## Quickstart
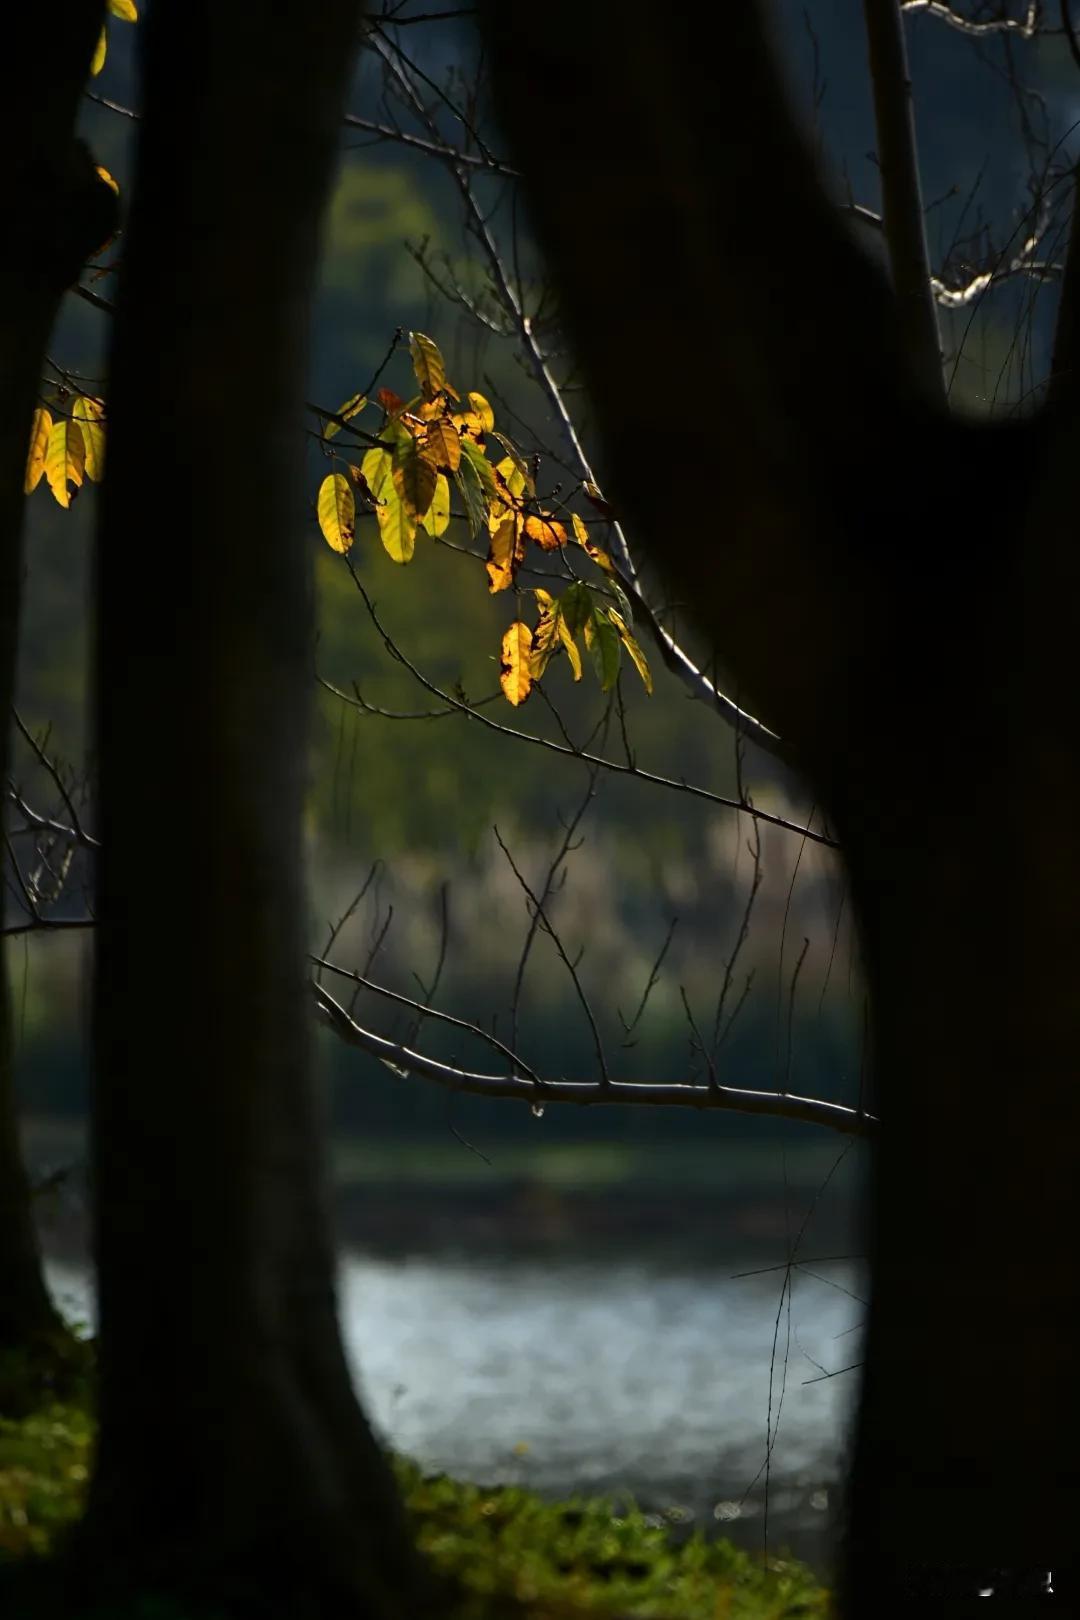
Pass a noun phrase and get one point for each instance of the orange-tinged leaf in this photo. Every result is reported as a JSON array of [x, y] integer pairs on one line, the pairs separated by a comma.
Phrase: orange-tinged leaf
[[429, 366], [126, 10], [97, 61], [514, 676], [90, 415], [598, 555], [442, 443], [337, 512], [436, 519], [65, 458], [505, 551], [637, 657], [390, 402], [40, 428], [480, 408], [397, 526], [546, 634], [103, 174], [414, 477], [545, 532]]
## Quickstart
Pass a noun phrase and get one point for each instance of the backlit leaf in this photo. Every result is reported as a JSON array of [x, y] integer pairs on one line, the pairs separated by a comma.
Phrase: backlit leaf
[[546, 635], [126, 10], [429, 366], [518, 460], [514, 676], [397, 526], [337, 512], [471, 490], [480, 408], [442, 443], [352, 407], [484, 470], [97, 61], [598, 501], [90, 415], [505, 551], [103, 174], [602, 640], [436, 519], [65, 458], [511, 477], [576, 606], [637, 657], [377, 470], [545, 532], [40, 428], [390, 402], [567, 639], [414, 477], [598, 555]]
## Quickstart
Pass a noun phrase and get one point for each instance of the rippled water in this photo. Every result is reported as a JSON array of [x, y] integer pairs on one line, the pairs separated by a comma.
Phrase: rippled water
[[589, 1375]]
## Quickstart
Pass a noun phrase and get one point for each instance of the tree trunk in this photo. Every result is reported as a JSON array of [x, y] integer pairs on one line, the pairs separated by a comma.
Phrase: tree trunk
[[234, 1458], [896, 594], [56, 212]]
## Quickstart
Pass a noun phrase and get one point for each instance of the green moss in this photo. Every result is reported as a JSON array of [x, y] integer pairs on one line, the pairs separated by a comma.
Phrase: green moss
[[500, 1552]]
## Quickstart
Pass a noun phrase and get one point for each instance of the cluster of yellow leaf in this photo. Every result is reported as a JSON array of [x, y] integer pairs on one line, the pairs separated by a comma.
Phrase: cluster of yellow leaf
[[65, 450], [404, 478], [127, 11]]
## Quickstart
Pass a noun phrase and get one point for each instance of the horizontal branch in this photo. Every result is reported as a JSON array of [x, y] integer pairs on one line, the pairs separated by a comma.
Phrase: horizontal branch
[[1025, 28], [403, 1061]]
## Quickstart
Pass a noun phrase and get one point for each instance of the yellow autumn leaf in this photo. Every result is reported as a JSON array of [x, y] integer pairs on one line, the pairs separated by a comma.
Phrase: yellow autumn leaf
[[40, 428], [337, 512], [414, 477], [637, 657], [514, 677], [545, 532], [65, 458], [504, 552], [352, 407], [436, 519], [514, 455], [429, 366], [126, 10], [567, 638], [480, 408], [103, 174], [397, 526], [442, 443], [97, 61], [546, 634], [90, 415], [507, 473], [376, 467]]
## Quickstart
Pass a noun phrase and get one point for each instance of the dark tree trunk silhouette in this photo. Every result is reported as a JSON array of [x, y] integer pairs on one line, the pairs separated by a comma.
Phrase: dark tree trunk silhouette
[[233, 1456], [897, 593], [55, 213]]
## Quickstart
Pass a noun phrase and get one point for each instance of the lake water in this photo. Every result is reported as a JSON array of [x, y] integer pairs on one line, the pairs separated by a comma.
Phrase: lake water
[[597, 1375]]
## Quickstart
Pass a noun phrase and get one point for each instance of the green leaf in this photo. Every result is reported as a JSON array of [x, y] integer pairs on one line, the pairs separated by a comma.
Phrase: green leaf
[[484, 470], [637, 657], [377, 468], [397, 526], [90, 415], [337, 512], [576, 606], [352, 407], [602, 640], [436, 519], [471, 489]]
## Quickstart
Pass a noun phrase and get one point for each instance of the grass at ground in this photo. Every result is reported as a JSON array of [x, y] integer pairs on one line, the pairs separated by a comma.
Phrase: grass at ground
[[502, 1552]]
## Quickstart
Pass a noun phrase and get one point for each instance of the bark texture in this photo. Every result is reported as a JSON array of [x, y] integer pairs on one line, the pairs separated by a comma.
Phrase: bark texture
[[895, 594], [234, 1458]]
